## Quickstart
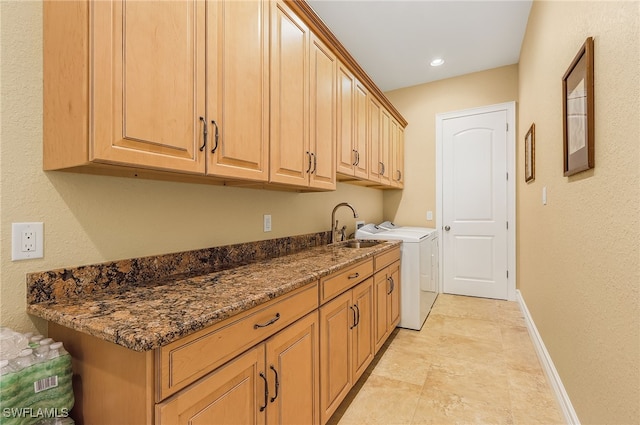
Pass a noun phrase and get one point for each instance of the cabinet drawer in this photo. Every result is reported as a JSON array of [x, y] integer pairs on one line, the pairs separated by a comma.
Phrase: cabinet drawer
[[386, 258], [182, 362], [335, 284]]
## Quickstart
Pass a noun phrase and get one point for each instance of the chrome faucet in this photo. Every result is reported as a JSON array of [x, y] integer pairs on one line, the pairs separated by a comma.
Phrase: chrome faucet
[[334, 228]]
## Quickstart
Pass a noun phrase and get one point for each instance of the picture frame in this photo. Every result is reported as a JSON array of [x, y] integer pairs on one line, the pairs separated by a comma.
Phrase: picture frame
[[578, 112], [530, 154]]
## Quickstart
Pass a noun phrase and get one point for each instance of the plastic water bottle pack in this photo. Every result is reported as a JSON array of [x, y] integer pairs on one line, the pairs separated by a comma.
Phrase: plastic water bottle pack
[[35, 380]]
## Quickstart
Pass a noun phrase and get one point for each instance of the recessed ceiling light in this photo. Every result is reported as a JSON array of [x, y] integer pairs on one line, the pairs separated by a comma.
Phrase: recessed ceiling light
[[437, 62]]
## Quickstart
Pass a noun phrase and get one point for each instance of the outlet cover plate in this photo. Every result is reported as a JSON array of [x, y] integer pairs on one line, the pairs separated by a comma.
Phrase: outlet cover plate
[[25, 247], [266, 221]]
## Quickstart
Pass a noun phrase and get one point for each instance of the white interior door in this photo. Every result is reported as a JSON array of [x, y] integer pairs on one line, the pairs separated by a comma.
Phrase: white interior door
[[475, 204]]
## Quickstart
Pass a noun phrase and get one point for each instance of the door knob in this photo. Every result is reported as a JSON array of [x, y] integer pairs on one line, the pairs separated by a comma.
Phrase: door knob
[[447, 228]]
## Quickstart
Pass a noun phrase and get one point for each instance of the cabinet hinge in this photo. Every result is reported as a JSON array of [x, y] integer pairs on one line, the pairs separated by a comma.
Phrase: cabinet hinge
[[507, 225], [507, 176], [507, 274], [507, 126]]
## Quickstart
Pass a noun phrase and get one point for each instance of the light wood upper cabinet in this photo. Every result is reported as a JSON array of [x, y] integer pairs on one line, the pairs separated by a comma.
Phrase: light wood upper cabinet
[[361, 131], [322, 119], [153, 101], [385, 148], [375, 140], [302, 104], [229, 92], [238, 89], [346, 157], [289, 160], [352, 125], [398, 156], [147, 92]]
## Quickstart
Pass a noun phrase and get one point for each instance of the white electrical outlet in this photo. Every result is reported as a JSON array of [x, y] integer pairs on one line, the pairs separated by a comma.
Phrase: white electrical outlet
[[27, 241], [429, 215], [267, 222]]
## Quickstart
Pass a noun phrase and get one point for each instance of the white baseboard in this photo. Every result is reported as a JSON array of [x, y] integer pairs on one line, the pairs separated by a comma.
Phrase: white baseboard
[[569, 413]]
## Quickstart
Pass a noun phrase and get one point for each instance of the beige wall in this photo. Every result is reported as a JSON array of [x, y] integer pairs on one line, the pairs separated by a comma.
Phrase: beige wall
[[419, 105], [90, 219], [579, 259]]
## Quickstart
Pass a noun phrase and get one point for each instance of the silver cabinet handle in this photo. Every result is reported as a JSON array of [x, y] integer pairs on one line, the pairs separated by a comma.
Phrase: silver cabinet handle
[[447, 228]]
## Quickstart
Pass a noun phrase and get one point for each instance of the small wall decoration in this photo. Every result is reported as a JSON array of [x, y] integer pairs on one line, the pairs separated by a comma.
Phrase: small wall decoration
[[578, 112], [530, 154]]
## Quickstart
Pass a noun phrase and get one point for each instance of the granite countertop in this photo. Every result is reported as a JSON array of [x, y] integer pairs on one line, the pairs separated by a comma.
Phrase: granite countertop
[[146, 315]]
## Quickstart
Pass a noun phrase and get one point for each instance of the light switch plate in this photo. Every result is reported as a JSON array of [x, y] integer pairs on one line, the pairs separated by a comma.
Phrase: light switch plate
[[27, 241]]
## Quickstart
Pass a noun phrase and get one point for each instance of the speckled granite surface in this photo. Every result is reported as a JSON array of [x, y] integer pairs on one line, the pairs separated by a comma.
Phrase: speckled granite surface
[[131, 303]]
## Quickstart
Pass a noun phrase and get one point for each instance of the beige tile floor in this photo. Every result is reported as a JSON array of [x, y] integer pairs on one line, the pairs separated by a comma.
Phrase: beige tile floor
[[472, 363]]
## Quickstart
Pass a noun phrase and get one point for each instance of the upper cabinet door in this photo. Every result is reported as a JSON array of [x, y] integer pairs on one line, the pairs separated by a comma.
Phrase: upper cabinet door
[[375, 164], [148, 84], [238, 89], [393, 154], [322, 119], [361, 101], [386, 169], [346, 158], [290, 160], [399, 158]]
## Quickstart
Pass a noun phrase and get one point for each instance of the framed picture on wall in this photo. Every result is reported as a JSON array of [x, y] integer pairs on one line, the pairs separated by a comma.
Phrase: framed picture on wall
[[578, 112], [530, 154]]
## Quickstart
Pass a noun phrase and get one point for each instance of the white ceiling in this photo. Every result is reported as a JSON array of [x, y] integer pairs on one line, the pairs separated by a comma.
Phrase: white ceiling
[[394, 40]]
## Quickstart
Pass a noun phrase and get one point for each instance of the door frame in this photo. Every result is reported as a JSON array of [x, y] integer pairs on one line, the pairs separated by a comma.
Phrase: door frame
[[510, 108]]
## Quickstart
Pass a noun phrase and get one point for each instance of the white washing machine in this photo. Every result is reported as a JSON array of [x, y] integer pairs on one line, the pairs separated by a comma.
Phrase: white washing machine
[[419, 277], [389, 225]]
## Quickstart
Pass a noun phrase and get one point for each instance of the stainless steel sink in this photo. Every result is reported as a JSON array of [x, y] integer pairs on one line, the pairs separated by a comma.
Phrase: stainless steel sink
[[361, 243]]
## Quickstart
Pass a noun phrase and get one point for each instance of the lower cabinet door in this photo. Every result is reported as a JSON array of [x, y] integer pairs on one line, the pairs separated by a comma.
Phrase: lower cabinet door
[[382, 315], [336, 320], [293, 370], [394, 295], [233, 394], [363, 331]]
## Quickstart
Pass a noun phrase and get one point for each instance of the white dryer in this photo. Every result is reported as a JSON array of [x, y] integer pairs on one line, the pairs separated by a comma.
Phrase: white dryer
[[418, 281]]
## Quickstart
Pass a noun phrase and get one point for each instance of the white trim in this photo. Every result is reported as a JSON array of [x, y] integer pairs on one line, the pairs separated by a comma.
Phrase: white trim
[[562, 397], [510, 108]]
